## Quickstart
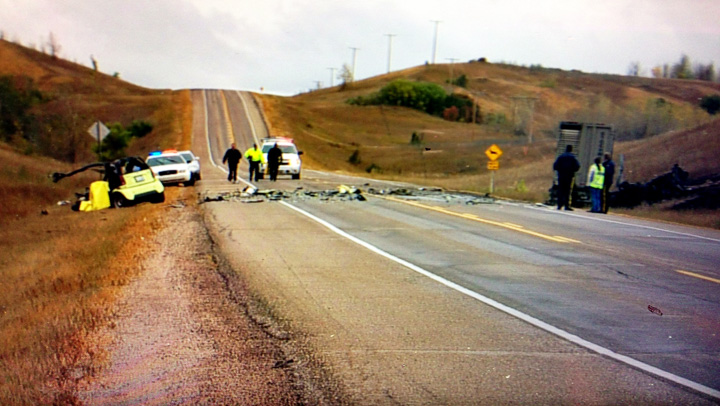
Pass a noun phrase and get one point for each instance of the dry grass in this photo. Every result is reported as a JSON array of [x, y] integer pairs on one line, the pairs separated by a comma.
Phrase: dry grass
[[61, 271], [60, 274]]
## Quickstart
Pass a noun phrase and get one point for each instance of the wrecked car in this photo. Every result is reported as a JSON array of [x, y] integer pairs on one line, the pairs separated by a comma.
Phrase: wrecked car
[[126, 181]]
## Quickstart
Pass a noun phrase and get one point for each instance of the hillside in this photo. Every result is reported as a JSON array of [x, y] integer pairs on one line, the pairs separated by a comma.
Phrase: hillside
[[659, 120], [72, 98]]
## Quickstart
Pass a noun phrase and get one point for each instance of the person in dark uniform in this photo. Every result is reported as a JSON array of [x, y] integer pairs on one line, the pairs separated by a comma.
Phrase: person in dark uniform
[[565, 165], [609, 175], [232, 157], [274, 158]]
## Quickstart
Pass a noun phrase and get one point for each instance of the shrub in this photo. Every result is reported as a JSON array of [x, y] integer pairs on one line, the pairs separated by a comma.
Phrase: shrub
[[140, 128], [711, 104], [355, 157]]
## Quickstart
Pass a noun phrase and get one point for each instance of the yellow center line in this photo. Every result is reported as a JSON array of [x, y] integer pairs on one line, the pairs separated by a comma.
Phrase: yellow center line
[[696, 275], [480, 220], [228, 123]]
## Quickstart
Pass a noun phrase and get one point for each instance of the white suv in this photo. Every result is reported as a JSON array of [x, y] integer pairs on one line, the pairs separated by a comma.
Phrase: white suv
[[291, 163]]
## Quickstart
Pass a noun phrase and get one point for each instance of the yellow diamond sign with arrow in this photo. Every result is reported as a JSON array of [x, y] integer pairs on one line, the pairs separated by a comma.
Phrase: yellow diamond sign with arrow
[[493, 152]]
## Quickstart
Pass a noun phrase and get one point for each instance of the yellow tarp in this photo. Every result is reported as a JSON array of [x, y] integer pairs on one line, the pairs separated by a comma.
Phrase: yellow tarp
[[99, 197]]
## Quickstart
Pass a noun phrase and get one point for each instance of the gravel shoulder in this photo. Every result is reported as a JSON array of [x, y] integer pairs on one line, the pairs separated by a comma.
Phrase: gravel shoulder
[[186, 334]]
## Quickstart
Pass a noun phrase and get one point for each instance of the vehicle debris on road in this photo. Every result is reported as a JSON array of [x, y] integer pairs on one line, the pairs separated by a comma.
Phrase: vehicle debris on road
[[344, 193]]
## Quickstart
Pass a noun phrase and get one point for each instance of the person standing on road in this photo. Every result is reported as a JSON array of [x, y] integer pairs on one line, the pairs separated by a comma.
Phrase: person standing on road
[[609, 166], [274, 159], [232, 157], [254, 157], [565, 165], [596, 181]]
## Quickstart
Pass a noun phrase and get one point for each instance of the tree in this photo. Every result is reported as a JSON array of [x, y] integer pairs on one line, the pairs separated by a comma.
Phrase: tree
[[634, 69], [705, 72], [53, 45], [682, 69], [18, 95], [345, 74]]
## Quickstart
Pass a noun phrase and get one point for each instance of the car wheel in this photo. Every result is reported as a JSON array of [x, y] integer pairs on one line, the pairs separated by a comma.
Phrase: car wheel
[[296, 176], [158, 198], [191, 182], [119, 201]]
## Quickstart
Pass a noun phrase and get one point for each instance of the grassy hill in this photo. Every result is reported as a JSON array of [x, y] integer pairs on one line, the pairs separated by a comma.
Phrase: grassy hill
[[658, 122], [72, 98]]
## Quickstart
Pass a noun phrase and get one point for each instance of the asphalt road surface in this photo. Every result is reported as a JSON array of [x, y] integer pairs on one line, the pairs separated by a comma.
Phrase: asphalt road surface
[[429, 299]]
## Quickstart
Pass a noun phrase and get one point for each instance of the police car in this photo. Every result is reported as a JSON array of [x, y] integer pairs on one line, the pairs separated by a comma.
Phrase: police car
[[170, 167], [291, 163], [193, 162]]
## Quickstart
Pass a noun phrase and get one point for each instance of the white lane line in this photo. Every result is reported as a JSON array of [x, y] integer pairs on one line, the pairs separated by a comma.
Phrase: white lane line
[[516, 313]]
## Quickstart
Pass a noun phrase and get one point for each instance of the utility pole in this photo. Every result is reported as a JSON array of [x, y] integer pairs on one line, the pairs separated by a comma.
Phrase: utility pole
[[435, 41], [332, 76], [452, 62], [390, 38], [354, 61]]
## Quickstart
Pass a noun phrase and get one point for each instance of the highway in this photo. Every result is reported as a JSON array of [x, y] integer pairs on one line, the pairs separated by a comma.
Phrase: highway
[[426, 299]]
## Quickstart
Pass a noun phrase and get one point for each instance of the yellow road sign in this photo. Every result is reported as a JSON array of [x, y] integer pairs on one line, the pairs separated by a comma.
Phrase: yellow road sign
[[493, 165], [493, 152]]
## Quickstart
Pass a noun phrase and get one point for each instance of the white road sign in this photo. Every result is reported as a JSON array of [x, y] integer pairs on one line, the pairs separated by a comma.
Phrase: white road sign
[[98, 130]]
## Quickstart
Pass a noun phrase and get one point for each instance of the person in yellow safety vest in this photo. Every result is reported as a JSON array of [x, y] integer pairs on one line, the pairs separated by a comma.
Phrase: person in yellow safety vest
[[596, 181], [254, 157]]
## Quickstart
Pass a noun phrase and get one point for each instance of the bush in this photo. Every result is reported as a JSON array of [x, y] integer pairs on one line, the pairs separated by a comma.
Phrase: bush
[[140, 128], [355, 157], [711, 104], [426, 97]]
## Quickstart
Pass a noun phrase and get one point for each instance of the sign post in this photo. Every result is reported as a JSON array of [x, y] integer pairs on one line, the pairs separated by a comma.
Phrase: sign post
[[99, 131], [493, 153]]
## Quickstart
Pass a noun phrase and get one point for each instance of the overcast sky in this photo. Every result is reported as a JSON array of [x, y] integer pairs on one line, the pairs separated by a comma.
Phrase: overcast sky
[[287, 46]]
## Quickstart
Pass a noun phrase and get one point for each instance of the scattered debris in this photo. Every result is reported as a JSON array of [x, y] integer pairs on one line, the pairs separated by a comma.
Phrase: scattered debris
[[64, 203], [675, 184], [655, 310], [345, 193]]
